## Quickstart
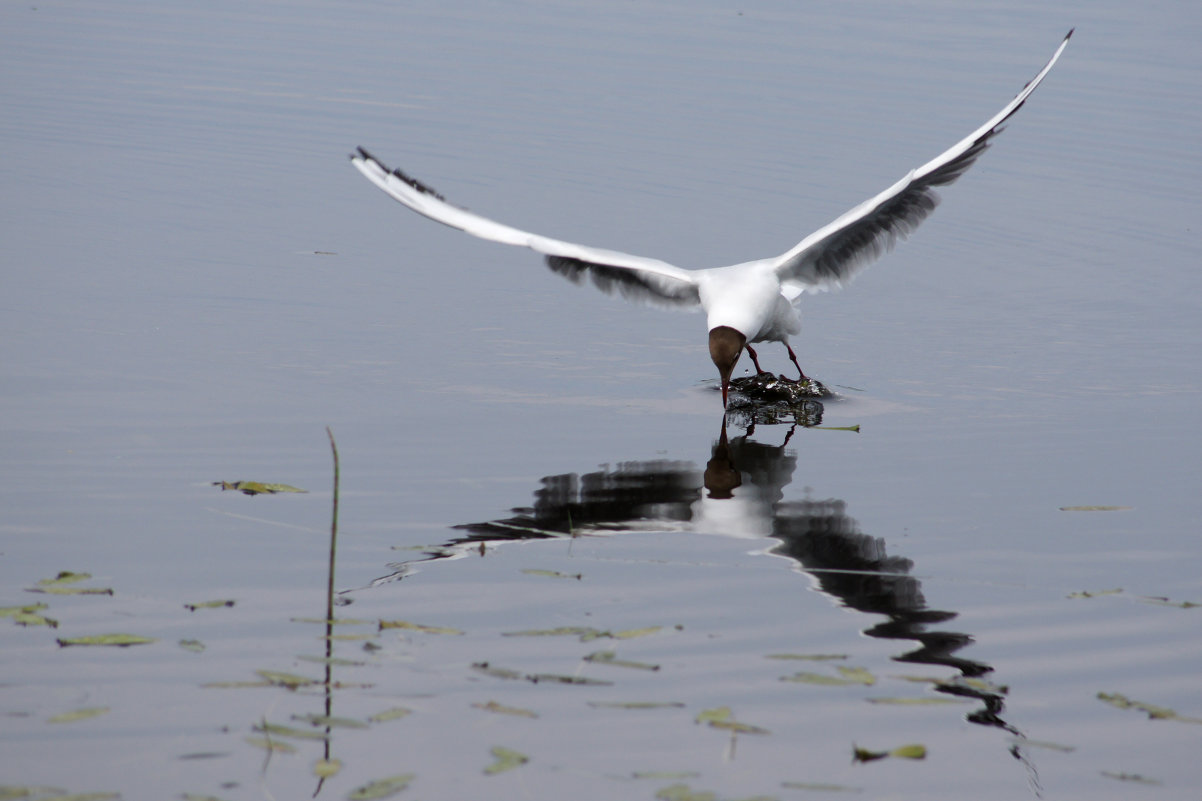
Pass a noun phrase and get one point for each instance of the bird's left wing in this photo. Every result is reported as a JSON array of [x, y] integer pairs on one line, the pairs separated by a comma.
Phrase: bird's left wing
[[636, 277], [833, 253]]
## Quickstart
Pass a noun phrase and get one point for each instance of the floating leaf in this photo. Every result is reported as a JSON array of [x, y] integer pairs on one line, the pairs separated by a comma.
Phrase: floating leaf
[[977, 685], [234, 685], [630, 634], [611, 658], [530, 571], [847, 675], [558, 678], [636, 705], [1129, 777], [332, 722], [808, 657], [820, 787], [506, 759], [1153, 712], [916, 701], [65, 577], [208, 605], [194, 797], [288, 731], [34, 619], [392, 713], [404, 624], [256, 487], [274, 746], [720, 718], [682, 792], [12, 791], [120, 640], [331, 660], [1094, 508], [382, 788], [327, 768], [195, 646], [912, 751], [1094, 593], [83, 797], [1161, 601], [78, 714], [62, 589], [289, 680], [579, 631], [501, 709], [663, 775], [344, 621], [496, 672]]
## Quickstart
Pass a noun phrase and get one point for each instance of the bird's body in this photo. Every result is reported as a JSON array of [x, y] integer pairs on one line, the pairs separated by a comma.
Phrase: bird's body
[[744, 303]]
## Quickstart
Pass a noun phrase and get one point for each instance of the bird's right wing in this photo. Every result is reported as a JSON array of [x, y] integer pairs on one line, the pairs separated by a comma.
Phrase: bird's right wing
[[636, 277], [834, 253]]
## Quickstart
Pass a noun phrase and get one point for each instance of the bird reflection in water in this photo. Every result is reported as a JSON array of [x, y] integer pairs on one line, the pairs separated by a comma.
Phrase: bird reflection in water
[[741, 493]]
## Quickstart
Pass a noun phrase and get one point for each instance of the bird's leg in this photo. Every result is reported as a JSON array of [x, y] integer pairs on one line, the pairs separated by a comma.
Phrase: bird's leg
[[755, 360], [793, 358]]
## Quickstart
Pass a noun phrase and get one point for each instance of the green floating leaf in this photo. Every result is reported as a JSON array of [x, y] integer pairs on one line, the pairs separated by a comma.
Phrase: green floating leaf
[[611, 658], [60, 589], [911, 751], [501, 709], [720, 718], [327, 768], [682, 792], [847, 675], [1153, 712], [331, 660], [119, 640], [496, 672], [636, 705], [256, 487], [664, 775], [345, 621], [195, 646], [820, 787], [274, 746], [530, 571], [78, 714], [278, 730], [578, 631], [808, 657], [289, 680], [65, 577], [83, 797], [1095, 593], [234, 685], [506, 759], [558, 678], [209, 605], [1135, 778], [13, 791], [972, 683], [28, 615], [1094, 508], [332, 722], [630, 634], [382, 788], [195, 797], [1162, 601], [23, 609], [404, 624], [392, 713]]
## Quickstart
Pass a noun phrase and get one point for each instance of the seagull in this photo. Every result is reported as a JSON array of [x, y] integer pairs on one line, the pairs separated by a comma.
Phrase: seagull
[[744, 303]]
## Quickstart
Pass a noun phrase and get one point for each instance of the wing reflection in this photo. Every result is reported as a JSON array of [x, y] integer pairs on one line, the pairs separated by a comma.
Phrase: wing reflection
[[741, 493]]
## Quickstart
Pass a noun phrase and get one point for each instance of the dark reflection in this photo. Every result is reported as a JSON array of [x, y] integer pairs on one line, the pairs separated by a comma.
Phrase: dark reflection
[[741, 493]]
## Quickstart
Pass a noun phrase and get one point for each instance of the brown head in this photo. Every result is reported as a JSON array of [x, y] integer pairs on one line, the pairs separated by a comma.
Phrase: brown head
[[726, 344]]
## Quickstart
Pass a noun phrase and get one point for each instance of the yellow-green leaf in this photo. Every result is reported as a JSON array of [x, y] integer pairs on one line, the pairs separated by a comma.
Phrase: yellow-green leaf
[[289, 680], [65, 577], [209, 605], [256, 487], [392, 713], [720, 718], [327, 768], [505, 759], [404, 624], [60, 589], [78, 714], [382, 788], [195, 646], [332, 722], [611, 658], [682, 792], [274, 746], [847, 675], [120, 640], [501, 709], [1094, 508], [911, 751], [637, 705], [530, 571]]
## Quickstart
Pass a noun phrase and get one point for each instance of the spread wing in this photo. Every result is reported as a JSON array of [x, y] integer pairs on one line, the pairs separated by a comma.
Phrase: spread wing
[[636, 277], [831, 255]]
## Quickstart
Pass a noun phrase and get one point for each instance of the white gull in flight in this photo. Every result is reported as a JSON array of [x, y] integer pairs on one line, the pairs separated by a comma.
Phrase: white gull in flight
[[748, 302]]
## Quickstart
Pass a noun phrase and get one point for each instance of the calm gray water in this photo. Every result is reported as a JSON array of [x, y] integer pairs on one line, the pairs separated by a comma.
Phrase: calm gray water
[[195, 282]]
